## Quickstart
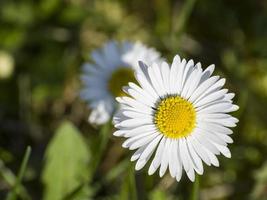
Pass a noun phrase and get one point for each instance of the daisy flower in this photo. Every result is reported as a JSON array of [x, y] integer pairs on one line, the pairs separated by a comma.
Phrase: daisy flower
[[178, 115], [112, 67]]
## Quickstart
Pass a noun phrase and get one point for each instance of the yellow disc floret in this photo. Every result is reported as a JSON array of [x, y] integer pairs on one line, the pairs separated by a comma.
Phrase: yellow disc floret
[[119, 78], [175, 117]]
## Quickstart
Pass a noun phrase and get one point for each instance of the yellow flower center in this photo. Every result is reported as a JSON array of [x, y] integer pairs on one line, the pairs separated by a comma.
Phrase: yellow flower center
[[175, 117], [119, 78]]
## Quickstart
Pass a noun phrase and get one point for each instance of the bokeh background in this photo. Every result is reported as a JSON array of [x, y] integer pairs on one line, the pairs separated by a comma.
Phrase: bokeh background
[[42, 46]]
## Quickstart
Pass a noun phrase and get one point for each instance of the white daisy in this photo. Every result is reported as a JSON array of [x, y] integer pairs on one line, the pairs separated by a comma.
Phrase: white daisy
[[180, 113], [113, 67]]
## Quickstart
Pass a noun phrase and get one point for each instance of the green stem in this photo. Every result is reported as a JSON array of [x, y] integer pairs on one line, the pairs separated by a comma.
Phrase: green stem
[[132, 180], [104, 135], [184, 16], [128, 187], [12, 195], [195, 189]]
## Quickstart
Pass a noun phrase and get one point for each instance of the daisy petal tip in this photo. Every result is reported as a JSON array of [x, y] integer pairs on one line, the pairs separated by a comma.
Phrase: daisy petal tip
[[161, 175], [117, 126], [192, 179], [124, 145], [228, 155], [191, 176], [200, 172], [177, 57], [118, 99], [139, 165], [150, 172], [116, 134], [212, 65], [132, 147]]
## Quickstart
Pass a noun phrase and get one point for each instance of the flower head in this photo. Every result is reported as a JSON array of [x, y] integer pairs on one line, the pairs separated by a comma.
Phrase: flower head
[[178, 115], [113, 67]]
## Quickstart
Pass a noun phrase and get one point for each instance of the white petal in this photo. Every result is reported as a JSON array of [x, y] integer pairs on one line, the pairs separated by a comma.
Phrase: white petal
[[124, 107], [157, 158], [175, 67], [142, 92], [111, 53], [184, 154], [179, 79], [224, 150], [139, 130], [229, 96], [212, 137], [189, 82], [207, 73], [215, 108], [147, 153], [155, 82], [198, 166], [151, 147], [211, 89], [165, 72], [89, 69], [119, 133], [210, 98], [143, 141], [99, 59], [187, 71], [129, 123], [144, 80], [158, 75], [202, 87], [130, 141], [133, 114], [216, 116], [213, 159], [225, 138], [144, 99], [140, 164], [199, 149], [185, 157], [173, 158], [134, 104], [194, 85], [100, 115], [138, 153], [228, 122], [232, 109], [214, 128], [179, 165], [191, 174], [164, 158], [201, 138]]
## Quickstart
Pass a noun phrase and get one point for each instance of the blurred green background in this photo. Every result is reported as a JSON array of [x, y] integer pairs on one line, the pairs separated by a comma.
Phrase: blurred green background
[[42, 46]]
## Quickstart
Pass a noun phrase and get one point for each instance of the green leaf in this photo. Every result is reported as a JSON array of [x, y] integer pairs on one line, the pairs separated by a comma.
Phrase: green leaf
[[128, 187], [158, 194], [66, 164], [48, 7]]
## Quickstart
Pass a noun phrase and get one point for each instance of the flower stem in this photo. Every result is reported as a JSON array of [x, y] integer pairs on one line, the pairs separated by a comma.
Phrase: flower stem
[[195, 189], [12, 195], [104, 135], [184, 16]]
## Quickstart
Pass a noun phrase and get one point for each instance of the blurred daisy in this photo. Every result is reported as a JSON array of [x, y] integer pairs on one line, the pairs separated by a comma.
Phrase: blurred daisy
[[113, 67], [180, 113]]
